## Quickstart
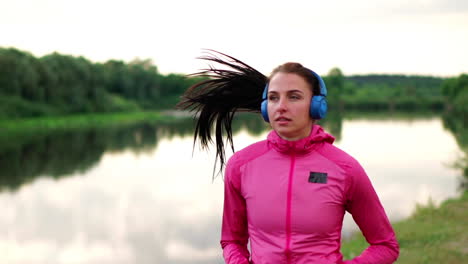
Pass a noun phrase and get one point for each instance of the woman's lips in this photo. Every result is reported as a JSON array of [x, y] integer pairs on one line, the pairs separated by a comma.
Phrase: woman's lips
[[282, 120]]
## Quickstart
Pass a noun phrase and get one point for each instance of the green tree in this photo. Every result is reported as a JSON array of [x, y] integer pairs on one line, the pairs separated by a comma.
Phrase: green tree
[[335, 85], [145, 80], [455, 91], [18, 74]]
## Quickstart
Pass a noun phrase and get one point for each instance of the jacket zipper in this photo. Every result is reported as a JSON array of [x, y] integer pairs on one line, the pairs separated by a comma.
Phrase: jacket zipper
[[288, 210]]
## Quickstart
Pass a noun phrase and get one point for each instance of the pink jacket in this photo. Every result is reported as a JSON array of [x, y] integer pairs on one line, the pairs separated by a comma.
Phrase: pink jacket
[[289, 198]]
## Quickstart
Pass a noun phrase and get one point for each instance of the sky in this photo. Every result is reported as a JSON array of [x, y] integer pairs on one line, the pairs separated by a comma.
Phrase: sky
[[426, 37]]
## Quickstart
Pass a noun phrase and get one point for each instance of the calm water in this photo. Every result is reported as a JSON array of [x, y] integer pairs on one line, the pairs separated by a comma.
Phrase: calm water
[[137, 195]]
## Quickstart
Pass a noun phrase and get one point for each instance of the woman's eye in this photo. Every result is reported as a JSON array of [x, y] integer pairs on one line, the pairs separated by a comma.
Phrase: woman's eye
[[295, 97], [272, 98]]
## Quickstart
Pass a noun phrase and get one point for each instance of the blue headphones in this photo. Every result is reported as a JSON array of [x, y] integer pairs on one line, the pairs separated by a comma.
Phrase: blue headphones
[[318, 104]]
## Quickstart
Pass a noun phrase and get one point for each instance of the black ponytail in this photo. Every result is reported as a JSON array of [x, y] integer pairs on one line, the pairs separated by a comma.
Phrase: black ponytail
[[237, 87]]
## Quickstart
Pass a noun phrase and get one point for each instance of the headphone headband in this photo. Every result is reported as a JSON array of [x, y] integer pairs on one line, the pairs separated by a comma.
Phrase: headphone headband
[[322, 86]]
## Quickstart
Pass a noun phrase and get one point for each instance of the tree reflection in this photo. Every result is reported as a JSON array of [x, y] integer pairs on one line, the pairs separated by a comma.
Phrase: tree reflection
[[457, 122], [61, 153]]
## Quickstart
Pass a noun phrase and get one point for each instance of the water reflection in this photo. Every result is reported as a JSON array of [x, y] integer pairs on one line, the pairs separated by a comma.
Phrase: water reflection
[[457, 124], [129, 209], [406, 161], [137, 194]]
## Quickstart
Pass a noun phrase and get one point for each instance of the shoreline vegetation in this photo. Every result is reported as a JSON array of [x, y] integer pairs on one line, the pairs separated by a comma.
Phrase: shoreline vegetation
[[433, 234], [12, 131], [20, 130], [79, 121]]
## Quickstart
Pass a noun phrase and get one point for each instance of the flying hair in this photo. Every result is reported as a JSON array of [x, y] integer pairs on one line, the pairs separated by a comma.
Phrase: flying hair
[[232, 87]]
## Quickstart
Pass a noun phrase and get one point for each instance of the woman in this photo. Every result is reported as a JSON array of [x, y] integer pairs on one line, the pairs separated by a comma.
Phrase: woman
[[288, 194]]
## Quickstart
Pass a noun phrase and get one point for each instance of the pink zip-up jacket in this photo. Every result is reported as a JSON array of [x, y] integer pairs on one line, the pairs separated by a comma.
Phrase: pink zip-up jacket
[[289, 199]]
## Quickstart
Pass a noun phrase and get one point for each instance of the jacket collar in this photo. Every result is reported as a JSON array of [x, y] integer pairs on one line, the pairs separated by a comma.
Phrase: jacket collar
[[300, 146]]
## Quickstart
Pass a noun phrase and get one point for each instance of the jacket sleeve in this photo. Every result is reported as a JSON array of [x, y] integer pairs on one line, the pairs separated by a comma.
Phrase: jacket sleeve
[[368, 213], [234, 234]]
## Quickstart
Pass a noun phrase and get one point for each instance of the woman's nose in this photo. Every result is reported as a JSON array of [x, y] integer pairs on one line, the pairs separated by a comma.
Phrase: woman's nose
[[282, 105]]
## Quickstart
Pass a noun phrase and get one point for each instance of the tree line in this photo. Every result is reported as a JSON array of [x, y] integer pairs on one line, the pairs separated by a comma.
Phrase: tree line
[[58, 84], [384, 92]]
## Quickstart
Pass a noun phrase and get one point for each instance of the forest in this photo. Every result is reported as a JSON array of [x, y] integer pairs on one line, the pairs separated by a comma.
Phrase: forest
[[58, 84]]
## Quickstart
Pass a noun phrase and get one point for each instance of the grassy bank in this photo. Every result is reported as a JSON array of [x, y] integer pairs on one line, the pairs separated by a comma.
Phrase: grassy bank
[[431, 235], [22, 130], [77, 121]]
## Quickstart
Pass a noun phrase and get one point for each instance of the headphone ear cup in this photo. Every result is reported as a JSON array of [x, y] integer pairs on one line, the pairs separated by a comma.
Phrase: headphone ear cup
[[264, 109], [318, 107], [264, 105], [318, 104]]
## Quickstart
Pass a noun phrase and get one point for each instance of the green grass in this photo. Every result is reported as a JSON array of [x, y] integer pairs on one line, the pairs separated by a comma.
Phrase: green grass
[[431, 235], [13, 131], [77, 121]]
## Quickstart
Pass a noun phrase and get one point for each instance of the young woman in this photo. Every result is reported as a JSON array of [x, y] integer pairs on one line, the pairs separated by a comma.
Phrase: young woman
[[286, 195]]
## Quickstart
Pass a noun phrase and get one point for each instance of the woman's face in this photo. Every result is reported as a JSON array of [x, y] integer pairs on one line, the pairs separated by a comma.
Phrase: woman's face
[[289, 97]]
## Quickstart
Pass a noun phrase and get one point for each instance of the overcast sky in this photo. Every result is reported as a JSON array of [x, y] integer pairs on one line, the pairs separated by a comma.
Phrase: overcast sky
[[427, 37]]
